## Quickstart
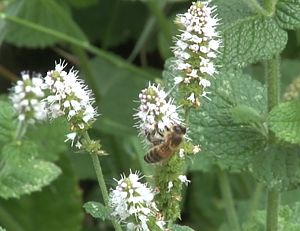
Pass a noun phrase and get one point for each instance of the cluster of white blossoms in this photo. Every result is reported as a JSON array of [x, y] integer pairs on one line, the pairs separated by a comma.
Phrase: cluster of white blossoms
[[59, 93], [132, 203], [68, 95], [195, 50], [27, 96], [156, 113]]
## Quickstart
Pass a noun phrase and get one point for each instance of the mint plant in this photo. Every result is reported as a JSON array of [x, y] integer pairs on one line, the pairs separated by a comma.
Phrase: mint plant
[[212, 139]]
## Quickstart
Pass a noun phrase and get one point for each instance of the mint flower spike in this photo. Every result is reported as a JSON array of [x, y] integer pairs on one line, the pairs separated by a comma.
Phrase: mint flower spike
[[195, 50], [156, 113], [70, 97], [132, 203], [27, 96]]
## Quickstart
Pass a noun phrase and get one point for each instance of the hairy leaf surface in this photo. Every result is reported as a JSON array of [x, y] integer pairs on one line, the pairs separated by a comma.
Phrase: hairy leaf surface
[[97, 210], [20, 171], [288, 14], [284, 121], [278, 167], [225, 140]]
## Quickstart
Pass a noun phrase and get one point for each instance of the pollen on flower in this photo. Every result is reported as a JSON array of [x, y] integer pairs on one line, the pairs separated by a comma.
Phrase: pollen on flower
[[195, 49], [132, 203], [156, 113], [27, 98], [69, 96]]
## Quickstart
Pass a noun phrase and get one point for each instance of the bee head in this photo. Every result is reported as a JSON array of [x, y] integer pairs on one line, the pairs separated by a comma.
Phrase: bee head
[[179, 129]]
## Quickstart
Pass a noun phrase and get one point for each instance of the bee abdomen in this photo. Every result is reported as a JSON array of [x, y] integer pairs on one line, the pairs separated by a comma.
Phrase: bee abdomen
[[152, 157]]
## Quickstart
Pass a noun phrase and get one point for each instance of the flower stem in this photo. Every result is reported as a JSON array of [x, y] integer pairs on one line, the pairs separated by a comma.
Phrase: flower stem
[[101, 182], [117, 61], [273, 89], [229, 203], [21, 129]]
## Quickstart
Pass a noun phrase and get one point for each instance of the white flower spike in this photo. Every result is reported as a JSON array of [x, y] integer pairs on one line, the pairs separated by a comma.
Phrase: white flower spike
[[156, 113], [196, 48], [132, 202], [27, 98]]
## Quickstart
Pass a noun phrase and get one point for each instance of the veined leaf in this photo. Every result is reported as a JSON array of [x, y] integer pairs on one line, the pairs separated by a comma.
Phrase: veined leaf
[[20, 171], [284, 121], [97, 210], [57, 207], [250, 40], [288, 14], [278, 167], [224, 141], [47, 13], [8, 123]]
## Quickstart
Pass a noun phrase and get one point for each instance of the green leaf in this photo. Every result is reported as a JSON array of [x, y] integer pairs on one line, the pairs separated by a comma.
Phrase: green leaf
[[225, 141], [288, 219], [245, 115], [49, 138], [20, 171], [284, 121], [8, 123], [57, 207], [278, 167], [119, 87], [2, 229], [116, 21], [97, 210], [288, 14], [250, 40], [47, 13], [181, 228]]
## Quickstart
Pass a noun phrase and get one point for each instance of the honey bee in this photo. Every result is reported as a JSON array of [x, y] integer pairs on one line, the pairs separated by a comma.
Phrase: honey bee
[[164, 148]]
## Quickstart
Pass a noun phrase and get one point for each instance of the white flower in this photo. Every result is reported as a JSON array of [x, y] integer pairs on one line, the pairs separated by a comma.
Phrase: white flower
[[196, 149], [27, 98], [170, 186], [181, 153], [132, 202], [69, 96], [196, 47], [156, 113], [184, 179]]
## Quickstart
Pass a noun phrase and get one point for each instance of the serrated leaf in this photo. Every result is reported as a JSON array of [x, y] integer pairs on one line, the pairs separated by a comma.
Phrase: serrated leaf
[[47, 13], [8, 123], [57, 207], [250, 40], [97, 210], [288, 14], [284, 121], [228, 143], [20, 171], [49, 138], [224, 142], [278, 167], [181, 228]]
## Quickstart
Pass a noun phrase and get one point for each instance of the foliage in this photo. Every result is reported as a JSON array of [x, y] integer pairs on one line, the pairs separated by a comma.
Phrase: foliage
[[238, 133]]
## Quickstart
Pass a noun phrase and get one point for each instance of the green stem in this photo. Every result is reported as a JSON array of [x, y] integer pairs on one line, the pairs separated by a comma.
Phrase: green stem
[[273, 88], [270, 6], [21, 129], [272, 210], [114, 59], [255, 200], [8, 221], [229, 202], [101, 182], [257, 7], [163, 23]]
